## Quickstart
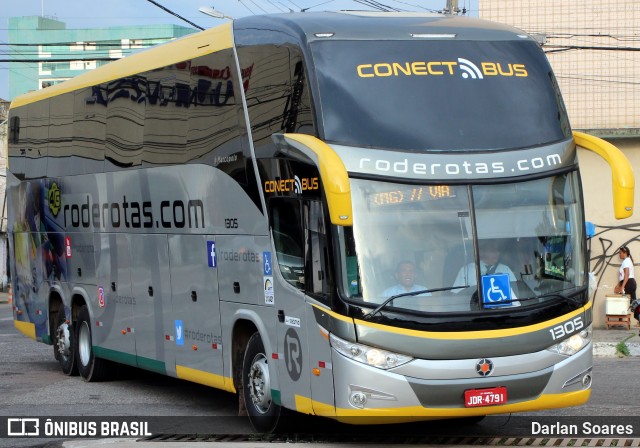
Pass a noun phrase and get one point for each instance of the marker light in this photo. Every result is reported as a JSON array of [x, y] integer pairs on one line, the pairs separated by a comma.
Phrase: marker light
[[371, 356], [574, 344], [432, 36]]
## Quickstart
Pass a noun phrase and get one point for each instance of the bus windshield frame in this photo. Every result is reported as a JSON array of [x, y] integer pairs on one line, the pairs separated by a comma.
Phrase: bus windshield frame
[[413, 238]]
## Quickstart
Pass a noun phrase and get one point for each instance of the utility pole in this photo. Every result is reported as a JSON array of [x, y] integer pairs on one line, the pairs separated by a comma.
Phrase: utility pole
[[452, 7]]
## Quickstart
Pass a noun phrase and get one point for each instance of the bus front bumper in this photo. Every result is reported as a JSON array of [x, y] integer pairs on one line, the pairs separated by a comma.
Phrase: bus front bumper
[[367, 395]]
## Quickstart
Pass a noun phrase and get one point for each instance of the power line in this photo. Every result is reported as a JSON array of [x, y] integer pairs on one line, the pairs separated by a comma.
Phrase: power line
[[61, 60], [176, 15], [587, 47], [93, 43]]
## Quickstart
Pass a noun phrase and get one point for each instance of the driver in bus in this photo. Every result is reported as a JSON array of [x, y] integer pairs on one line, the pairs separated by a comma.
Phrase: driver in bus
[[489, 264], [405, 276]]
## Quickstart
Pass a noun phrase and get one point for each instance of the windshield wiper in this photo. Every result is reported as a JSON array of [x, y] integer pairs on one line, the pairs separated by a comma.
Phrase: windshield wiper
[[406, 294], [573, 300]]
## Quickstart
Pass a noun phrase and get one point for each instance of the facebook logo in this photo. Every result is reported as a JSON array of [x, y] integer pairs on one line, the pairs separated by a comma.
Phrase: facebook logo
[[211, 254], [179, 333], [496, 290]]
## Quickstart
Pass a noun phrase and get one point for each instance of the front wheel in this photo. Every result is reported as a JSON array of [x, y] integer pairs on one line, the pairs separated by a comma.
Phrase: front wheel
[[90, 367], [63, 340], [264, 414]]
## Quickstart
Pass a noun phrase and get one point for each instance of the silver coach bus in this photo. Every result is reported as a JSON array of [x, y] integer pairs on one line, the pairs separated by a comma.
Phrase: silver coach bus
[[299, 209]]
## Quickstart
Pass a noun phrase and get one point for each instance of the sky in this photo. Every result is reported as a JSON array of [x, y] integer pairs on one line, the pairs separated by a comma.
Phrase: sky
[[78, 14]]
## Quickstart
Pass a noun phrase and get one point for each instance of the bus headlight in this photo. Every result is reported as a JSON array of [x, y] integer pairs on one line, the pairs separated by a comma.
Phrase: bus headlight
[[371, 356], [574, 344]]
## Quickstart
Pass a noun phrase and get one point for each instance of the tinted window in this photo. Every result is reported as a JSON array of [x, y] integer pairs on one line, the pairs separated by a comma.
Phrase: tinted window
[[422, 95], [288, 238], [276, 90]]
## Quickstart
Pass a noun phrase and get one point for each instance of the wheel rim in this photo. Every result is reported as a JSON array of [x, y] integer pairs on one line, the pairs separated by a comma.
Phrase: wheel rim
[[63, 341], [259, 384], [84, 343]]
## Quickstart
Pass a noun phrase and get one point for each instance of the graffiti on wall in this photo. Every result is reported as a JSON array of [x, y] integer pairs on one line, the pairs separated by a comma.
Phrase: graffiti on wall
[[607, 252]]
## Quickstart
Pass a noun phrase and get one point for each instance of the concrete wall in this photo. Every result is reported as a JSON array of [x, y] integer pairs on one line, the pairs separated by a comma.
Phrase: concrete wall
[[602, 94]]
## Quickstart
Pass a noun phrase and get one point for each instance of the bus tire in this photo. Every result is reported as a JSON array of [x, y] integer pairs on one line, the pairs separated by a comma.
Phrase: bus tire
[[63, 341], [91, 368], [264, 414]]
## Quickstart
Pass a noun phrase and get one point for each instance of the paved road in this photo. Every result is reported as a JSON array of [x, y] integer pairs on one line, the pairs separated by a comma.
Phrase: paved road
[[31, 384]]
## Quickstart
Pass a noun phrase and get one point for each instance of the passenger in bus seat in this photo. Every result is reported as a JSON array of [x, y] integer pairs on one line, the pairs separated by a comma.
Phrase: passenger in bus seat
[[405, 275]]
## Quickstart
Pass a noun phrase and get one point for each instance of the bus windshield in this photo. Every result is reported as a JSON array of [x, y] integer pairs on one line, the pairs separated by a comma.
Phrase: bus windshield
[[438, 95], [414, 239]]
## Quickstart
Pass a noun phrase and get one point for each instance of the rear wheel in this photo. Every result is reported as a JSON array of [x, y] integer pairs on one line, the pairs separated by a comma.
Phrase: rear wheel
[[264, 414], [63, 340], [90, 367]]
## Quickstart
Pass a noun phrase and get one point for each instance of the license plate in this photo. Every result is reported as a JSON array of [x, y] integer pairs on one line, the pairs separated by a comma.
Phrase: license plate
[[485, 397]]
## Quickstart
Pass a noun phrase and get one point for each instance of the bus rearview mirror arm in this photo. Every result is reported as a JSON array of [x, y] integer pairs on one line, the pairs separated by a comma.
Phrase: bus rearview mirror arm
[[333, 173], [622, 178]]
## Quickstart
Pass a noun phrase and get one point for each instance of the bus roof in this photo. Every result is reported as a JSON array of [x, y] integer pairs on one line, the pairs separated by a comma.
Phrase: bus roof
[[186, 47], [303, 27], [363, 25]]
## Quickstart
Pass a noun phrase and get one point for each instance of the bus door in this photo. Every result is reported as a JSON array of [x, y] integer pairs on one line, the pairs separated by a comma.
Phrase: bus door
[[300, 258], [151, 286], [114, 331], [195, 321]]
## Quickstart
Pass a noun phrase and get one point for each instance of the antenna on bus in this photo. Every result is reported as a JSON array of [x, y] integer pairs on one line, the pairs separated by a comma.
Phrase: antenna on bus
[[315, 6], [212, 12]]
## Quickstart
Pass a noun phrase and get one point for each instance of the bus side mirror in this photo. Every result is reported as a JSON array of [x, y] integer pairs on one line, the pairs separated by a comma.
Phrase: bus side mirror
[[623, 182]]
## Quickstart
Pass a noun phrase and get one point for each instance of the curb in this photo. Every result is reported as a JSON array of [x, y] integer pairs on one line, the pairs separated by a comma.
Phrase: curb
[[608, 349]]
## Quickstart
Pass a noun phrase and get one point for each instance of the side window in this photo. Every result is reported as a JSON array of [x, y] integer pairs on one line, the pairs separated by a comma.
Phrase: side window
[[125, 122], [318, 258], [300, 239], [288, 237]]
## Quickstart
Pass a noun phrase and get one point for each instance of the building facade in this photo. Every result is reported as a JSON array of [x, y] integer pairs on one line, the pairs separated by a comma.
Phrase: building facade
[[59, 53], [594, 49]]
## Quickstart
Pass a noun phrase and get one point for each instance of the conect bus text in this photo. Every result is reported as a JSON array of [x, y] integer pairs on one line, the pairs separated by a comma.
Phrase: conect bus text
[[173, 214]]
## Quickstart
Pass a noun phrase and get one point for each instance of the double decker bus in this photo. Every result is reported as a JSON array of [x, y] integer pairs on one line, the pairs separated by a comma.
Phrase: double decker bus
[[298, 208]]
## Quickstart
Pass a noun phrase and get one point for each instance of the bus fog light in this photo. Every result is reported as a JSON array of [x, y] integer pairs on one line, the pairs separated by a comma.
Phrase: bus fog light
[[583, 378], [358, 400]]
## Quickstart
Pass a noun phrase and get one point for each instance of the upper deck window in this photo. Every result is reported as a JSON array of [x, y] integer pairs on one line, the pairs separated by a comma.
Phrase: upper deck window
[[442, 95]]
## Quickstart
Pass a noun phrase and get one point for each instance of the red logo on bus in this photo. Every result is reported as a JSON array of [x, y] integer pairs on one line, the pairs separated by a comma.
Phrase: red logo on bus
[[67, 244], [101, 297]]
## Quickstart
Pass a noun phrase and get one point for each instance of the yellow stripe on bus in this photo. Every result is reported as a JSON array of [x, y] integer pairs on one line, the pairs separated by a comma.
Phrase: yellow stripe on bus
[[205, 378], [182, 49], [333, 314], [26, 328], [474, 335], [416, 413], [306, 405]]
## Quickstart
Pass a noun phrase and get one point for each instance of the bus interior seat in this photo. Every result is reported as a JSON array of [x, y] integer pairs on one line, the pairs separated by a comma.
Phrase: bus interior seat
[[453, 262]]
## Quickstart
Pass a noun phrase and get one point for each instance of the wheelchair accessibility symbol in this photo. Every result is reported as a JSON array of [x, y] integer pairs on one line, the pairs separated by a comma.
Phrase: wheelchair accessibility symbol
[[496, 290], [266, 257]]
